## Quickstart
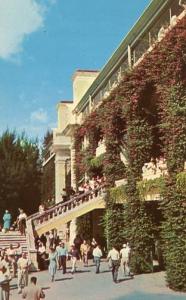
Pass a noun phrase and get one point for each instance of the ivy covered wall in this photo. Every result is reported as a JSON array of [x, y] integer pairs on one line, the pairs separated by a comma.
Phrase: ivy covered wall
[[146, 114]]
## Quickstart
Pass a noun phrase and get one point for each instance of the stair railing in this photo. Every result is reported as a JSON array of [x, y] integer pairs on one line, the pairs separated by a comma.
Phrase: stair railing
[[63, 207], [54, 211]]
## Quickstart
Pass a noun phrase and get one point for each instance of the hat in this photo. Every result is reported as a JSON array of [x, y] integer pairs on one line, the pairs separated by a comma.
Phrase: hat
[[124, 245]]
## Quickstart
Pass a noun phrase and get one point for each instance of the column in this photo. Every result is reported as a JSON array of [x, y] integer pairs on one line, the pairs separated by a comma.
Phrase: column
[[60, 175], [73, 173], [73, 228], [129, 57]]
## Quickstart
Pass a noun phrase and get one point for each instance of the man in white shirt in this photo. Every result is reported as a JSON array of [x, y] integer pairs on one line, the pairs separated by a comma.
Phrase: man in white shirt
[[11, 257], [97, 253], [115, 260], [125, 257], [4, 283], [22, 266]]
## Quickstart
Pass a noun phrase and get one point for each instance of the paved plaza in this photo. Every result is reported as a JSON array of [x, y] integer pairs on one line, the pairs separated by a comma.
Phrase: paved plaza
[[86, 285]]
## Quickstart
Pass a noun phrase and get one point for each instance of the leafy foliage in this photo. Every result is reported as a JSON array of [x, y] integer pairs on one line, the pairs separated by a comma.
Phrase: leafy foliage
[[84, 226], [145, 114], [20, 173], [48, 172]]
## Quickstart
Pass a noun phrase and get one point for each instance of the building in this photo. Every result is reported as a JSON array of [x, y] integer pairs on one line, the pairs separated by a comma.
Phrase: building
[[90, 88]]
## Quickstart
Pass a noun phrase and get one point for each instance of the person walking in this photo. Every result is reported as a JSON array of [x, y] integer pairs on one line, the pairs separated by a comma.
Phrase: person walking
[[4, 283], [115, 262], [125, 257], [62, 256], [22, 269], [7, 221], [52, 263], [97, 254], [84, 249], [33, 291], [77, 243], [74, 256]]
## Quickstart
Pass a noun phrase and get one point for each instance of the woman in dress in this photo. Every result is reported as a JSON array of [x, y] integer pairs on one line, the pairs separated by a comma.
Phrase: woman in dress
[[7, 220], [42, 256], [53, 257]]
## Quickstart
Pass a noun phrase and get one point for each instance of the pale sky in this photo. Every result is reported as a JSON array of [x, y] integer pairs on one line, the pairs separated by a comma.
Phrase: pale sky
[[43, 42]]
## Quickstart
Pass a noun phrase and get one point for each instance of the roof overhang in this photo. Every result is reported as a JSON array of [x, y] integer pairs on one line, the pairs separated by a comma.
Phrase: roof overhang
[[143, 23]]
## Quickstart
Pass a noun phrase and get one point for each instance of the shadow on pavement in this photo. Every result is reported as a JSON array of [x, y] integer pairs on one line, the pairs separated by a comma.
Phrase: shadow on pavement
[[105, 271], [63, 279], [82, 271], [46, 288], [125, 279]]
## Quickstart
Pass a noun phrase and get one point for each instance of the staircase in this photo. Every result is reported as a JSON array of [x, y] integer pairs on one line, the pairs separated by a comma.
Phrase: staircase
[[13, 237], [62, 213]]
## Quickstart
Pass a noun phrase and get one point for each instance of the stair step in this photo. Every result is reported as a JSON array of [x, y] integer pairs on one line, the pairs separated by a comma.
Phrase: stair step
[[13, 237]]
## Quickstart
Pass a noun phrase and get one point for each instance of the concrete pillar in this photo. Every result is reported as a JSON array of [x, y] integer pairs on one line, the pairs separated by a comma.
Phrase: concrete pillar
[[60, 175], [73, 228], [129, 57]]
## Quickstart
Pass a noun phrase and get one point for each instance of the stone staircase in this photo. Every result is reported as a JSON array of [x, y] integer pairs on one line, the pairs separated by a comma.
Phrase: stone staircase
[[60, 214], [64, 212], [13, 237]]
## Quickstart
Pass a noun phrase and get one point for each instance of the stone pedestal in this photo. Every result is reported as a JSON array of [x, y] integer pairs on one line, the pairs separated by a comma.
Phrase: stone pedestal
[[33, 259], [32, 252]]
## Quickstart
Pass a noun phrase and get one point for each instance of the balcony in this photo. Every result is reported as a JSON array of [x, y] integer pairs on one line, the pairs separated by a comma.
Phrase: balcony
[[159, 18], [60, 141]]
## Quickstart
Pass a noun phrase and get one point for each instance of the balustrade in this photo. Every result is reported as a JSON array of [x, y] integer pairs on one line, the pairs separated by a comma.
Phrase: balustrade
[[155, 168], [64, 207]]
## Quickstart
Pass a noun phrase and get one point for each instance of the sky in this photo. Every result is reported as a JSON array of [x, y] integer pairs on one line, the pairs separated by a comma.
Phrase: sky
[[43, 42]]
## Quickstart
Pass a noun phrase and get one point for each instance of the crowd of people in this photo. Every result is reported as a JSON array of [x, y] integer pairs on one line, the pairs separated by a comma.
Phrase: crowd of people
[[87, 186], [13, 263], [53, 255], [58, 254]]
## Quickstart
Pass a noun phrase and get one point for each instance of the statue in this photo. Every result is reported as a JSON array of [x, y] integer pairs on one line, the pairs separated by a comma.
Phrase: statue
[[119, 77], [161, 33], [173, 21], [161, 166], [106, 94], [114, 85], [149, 170]]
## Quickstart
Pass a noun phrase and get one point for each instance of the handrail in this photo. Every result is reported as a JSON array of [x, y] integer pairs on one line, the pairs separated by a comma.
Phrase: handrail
[[62, 207]]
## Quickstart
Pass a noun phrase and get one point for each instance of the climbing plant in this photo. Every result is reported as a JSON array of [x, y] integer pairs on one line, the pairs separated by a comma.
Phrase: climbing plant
[[146, 114]]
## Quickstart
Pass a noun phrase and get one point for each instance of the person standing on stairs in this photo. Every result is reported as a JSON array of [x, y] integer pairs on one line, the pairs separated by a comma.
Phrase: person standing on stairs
[[21, 219], [7, 221]]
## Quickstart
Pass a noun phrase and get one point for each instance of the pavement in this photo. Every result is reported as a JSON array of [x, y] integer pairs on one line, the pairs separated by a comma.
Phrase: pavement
[[86, 285]]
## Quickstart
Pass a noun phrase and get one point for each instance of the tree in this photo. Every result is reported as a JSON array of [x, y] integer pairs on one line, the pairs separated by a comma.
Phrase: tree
[[20, 173], [48, 172]]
